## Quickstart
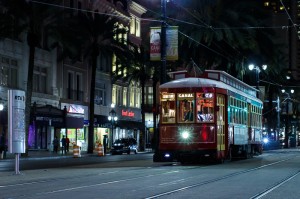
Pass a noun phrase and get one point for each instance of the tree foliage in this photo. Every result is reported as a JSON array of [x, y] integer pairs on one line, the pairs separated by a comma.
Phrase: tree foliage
[[92, 34], [28, 22]]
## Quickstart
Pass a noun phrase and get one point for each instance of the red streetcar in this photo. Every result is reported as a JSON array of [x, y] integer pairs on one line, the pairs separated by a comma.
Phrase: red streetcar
[[214, 116]]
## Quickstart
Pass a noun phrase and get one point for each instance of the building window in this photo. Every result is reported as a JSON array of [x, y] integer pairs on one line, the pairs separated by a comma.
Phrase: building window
[[124, 96], [132, 25], [114, 95], [138, 98], [74, 90], [119, 96], [100, 94], [149, 95], [40, 79], [135, 25], [132, 94], [9, 72], [137, 28], [104, 63]]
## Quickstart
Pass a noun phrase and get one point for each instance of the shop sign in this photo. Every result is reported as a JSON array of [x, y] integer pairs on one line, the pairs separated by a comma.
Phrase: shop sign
[[16, 121], [40, 118], [75, 109], [127, 113]]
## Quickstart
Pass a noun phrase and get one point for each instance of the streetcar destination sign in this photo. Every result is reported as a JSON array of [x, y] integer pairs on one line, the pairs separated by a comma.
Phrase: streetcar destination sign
[[186, 95]]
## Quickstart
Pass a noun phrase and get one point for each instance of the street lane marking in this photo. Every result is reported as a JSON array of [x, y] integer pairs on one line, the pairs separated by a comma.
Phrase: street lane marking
[[260, 195]]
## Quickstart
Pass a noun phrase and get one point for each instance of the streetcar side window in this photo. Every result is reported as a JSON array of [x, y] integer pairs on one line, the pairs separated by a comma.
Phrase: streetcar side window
[[168, 111], [205, 107]]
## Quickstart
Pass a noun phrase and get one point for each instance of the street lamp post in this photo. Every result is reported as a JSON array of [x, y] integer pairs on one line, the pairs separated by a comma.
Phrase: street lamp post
[[112, 117], [258, 70]]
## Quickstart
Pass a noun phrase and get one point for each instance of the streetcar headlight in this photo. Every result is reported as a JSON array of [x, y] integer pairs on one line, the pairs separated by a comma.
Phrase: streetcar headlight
[[167, 155], [185, 135], [265, 140]]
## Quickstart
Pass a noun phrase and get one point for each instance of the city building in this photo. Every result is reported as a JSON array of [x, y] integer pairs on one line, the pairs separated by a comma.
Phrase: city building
[[286, 17], [286, 14], [60, 98]]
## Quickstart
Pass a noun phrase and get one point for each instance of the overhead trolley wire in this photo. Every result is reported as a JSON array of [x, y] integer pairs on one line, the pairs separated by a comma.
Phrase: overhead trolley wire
[[294, 25]]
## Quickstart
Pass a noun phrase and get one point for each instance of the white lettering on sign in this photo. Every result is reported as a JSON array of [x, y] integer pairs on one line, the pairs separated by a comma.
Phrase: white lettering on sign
[[168, 96], [186, 95]]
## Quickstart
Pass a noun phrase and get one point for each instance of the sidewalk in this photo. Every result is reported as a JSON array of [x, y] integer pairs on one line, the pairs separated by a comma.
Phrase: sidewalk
[[45, 154]]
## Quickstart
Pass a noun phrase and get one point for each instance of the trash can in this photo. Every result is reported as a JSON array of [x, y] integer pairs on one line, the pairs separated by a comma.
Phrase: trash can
[[76, 151]]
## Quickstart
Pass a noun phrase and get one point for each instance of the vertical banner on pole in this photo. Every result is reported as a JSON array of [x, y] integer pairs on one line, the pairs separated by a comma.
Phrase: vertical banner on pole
[[171, 43], [155, 43], [16, 124]]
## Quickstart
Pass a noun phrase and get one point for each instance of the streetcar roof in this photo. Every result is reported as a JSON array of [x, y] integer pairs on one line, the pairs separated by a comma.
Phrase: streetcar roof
[[190, 82], [203, 82]]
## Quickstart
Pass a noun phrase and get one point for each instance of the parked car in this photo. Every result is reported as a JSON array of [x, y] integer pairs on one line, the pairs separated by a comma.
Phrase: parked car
[[124, 145]]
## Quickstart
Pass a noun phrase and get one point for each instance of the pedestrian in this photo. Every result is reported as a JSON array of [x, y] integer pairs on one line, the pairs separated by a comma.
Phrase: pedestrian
[[63, 144], [67, 144], [2, 146], [55, 144]]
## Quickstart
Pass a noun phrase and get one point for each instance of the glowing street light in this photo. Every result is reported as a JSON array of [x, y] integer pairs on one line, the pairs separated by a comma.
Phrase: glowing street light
[[258, 70]]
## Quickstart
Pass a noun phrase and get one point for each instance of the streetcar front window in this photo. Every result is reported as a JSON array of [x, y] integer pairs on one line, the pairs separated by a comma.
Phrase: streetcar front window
[[185, 107]]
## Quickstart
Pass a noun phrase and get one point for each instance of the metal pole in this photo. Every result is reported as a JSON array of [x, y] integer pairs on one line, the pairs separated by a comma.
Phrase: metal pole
[[163, 42], [278, 118], [257, 82], [112, 133], [17, 163], [286, 138]]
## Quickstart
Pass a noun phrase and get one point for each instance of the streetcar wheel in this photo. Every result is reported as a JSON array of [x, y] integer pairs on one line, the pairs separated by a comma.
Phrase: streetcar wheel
[[220, 160], [157, 158]]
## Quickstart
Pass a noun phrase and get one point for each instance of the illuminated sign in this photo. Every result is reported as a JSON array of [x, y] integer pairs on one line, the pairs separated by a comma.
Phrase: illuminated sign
[[205, 95], [186, 95], [168, 96], [127, 113], [208, 95], [75, 109]]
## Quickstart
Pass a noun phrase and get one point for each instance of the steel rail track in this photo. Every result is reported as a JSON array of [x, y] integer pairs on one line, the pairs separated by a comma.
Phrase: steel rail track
[[277, 185], [156, 174], [226, 177]]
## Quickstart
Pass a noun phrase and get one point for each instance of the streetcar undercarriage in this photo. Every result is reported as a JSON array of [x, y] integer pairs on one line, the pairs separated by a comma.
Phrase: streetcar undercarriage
[[234, 152]]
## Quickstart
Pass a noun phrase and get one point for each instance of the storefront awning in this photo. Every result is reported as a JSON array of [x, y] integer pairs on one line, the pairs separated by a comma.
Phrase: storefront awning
[[124, 124], [74, 122]]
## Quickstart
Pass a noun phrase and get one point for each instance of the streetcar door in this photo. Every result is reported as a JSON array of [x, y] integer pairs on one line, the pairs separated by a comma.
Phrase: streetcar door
[[220, 122]]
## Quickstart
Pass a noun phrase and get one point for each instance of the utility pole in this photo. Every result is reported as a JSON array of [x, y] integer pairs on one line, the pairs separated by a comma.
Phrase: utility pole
[[163, 42], [163, 65], [278, 118]]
